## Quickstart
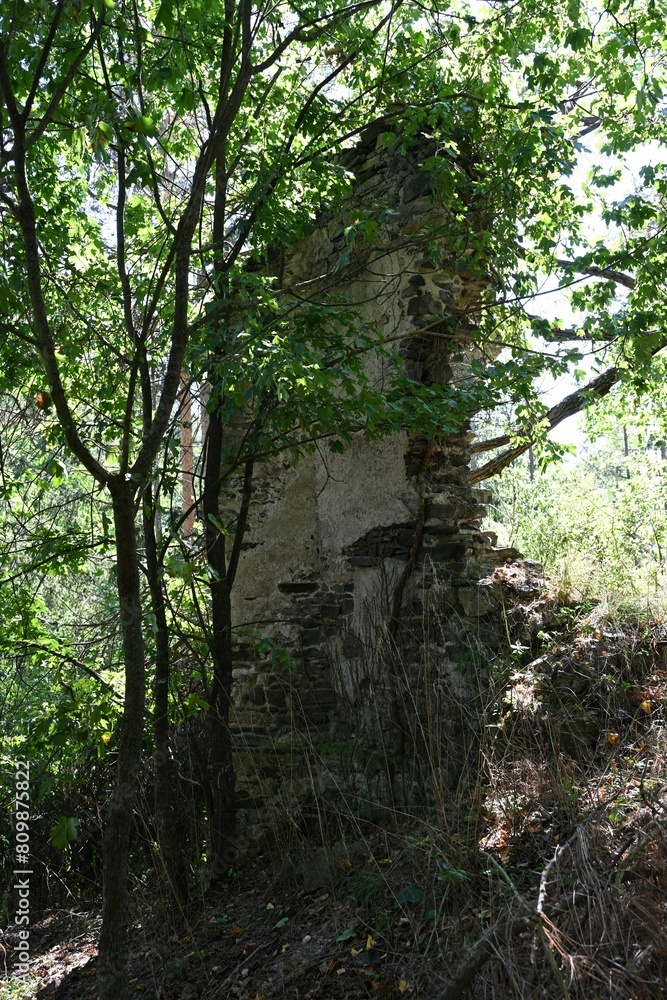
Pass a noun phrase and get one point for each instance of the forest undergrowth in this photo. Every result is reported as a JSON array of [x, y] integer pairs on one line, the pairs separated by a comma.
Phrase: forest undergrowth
[[542, 874]]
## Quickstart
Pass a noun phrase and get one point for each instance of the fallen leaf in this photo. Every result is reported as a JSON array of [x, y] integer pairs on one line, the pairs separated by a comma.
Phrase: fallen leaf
[[346, 934]]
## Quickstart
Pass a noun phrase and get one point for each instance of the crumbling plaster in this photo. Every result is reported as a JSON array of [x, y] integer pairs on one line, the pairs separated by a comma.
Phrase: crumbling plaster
[[336, 543]]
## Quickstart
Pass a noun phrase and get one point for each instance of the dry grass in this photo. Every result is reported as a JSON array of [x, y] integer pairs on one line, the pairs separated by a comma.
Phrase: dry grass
[[542, 870]]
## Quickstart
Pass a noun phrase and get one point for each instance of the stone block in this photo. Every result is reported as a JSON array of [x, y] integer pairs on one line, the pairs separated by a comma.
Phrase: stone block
[[481, 600], [297, 587], [447, 552], [275, 697], [416, 186], [258, 695], [312, 636]]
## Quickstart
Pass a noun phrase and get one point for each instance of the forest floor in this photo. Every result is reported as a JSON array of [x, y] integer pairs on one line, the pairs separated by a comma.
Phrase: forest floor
[[542, 874]]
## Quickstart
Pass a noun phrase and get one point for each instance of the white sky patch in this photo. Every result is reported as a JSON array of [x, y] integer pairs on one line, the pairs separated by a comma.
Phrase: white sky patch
[[552, 390]]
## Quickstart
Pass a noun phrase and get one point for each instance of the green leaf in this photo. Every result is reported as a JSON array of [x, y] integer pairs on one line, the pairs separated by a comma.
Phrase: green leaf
[[347, 934], [410, 894], [64, 832]]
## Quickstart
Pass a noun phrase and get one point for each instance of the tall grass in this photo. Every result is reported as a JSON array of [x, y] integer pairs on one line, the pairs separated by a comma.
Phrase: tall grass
[[599, 532]]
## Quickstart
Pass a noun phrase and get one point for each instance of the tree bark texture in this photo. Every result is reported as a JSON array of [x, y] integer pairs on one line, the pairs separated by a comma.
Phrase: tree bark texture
[[169, 805], [223, 818], [187, 458], [112, 969]]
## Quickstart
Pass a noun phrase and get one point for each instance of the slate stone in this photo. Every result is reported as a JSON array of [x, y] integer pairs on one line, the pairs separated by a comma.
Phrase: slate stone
[[416, 186], [447, 552], [364, 561], [312, 636], [398, 164], [275, 697], [298, 587], [258, 695], [423, 305]]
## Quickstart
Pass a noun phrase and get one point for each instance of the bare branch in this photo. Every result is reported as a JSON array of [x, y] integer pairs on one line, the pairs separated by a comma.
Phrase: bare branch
[[301, 33], [600, 272], [567, 407], [486, 948], [574, 403]]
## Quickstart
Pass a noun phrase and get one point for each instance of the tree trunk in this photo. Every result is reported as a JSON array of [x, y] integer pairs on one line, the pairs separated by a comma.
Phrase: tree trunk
[[187, 458], [223, 818], [112, 970], [169, 805]]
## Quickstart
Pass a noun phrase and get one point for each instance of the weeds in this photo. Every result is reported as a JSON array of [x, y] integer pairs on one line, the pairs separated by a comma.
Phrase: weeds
[[540, 871]]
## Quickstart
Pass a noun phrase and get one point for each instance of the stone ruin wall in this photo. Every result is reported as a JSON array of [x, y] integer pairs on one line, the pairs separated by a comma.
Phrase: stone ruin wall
[[336, 544]]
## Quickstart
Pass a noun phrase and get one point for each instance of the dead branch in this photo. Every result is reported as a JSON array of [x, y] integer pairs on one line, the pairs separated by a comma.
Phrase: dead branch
[[574, 403], [501, 933], [487, 946], [600, 272], [567, 407]]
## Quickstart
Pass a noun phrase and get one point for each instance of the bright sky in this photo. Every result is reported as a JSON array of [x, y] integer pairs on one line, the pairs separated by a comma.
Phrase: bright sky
[[569, 432]]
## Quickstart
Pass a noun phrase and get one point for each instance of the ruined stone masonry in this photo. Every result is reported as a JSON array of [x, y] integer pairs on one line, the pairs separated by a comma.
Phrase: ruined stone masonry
[[366, 566]]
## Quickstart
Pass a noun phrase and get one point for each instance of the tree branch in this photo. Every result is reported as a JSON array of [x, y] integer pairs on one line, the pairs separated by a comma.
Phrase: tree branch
[[46, 51], [574, 403], [79, 664], [567, 407], [301, 33], [600, 272], [487, 946], [65, 82], [26, 215], [224, 117]]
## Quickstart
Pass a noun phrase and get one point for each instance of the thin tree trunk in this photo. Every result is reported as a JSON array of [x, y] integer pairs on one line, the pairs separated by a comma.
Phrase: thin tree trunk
[[223, 818], [187, 458], [169, 805], [112, 970]]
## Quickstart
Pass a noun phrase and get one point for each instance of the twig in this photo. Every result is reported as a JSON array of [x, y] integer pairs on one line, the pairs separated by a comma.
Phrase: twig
[[536, 919]]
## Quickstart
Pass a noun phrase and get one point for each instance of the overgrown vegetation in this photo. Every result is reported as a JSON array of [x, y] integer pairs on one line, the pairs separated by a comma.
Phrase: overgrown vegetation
[[596, 523], [542, 872], [157, 162]]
